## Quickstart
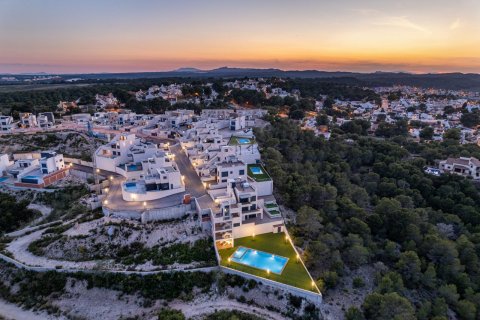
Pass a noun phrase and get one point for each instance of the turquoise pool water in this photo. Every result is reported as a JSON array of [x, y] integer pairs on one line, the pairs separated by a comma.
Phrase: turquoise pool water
[[256, 170], [134, 167], [259, 260], [243, 140], [30, 177], [3, 179], [131, 186]]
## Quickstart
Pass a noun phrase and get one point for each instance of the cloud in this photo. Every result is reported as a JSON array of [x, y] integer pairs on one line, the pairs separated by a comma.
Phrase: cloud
[[455, 24], [401, 22]]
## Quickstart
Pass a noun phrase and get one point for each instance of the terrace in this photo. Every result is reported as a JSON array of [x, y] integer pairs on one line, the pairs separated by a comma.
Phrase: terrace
[[258, 173], [293, 273]]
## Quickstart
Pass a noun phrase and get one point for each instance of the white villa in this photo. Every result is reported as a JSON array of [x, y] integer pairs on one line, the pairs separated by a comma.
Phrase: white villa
[[38, 169], [6, 123], [28, 120], [150, 172], [464, 166]]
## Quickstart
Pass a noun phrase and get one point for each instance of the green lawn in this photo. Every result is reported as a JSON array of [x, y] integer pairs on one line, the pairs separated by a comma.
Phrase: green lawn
[[258, 177], [294, 273], [271, 205]]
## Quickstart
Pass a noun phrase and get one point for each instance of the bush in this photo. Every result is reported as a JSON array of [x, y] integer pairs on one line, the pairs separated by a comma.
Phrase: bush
[[358, 282], [170, 314]]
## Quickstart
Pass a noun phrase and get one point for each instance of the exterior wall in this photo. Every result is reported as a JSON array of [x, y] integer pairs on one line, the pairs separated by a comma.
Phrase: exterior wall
[[166, 213], [313, 297], [247, 229], [53, 177], [106, 164], [150, 215], [264, 188], [149, 195], [24, 156], [78, 161], [4, 163]]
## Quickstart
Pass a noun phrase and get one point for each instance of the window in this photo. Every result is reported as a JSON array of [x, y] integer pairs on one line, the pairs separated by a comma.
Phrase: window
[[224, 180], [225, 174], [236, 224], [241, 172]]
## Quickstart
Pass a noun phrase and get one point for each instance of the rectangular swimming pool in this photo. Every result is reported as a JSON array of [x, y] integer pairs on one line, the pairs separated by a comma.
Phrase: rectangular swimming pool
[[259, 260], [256, 170], [131, 186]]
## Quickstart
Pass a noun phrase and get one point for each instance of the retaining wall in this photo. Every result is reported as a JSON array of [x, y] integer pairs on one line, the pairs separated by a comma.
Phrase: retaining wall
[[313, 297]]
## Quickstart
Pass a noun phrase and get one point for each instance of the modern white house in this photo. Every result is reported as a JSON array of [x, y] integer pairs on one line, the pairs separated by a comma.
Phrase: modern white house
[[28, 120], [150, 172], [6, 123], [38, 170], [240, 212], [46, 119]]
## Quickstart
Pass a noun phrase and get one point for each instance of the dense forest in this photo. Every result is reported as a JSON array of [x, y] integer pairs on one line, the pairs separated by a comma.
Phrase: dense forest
[[14, 213], [362, 200], [44, 98]]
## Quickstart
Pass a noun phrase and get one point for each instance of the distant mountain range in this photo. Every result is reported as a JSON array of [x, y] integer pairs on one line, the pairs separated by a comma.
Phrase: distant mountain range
[[454, 81]]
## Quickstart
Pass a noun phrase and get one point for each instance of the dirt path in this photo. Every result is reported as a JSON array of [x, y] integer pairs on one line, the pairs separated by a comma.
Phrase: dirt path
[[11, 311], [19, 248], [197, 308]]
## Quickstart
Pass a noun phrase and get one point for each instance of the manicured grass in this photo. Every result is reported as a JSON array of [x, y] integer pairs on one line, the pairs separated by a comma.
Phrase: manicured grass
[[258, 177], [271, 205], [274, 212], [294, 273]]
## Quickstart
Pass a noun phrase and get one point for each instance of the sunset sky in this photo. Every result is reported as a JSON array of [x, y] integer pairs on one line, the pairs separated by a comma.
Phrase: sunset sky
[[67, 36]]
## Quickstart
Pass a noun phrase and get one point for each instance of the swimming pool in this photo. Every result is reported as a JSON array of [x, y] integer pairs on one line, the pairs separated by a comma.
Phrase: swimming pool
[[256, 170], [30, 177], [134, 167], [259, 260], [243, 140], [131, 186], [3, 179]]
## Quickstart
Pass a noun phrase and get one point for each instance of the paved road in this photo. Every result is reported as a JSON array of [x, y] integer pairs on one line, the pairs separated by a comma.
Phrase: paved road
[[193, 183]]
